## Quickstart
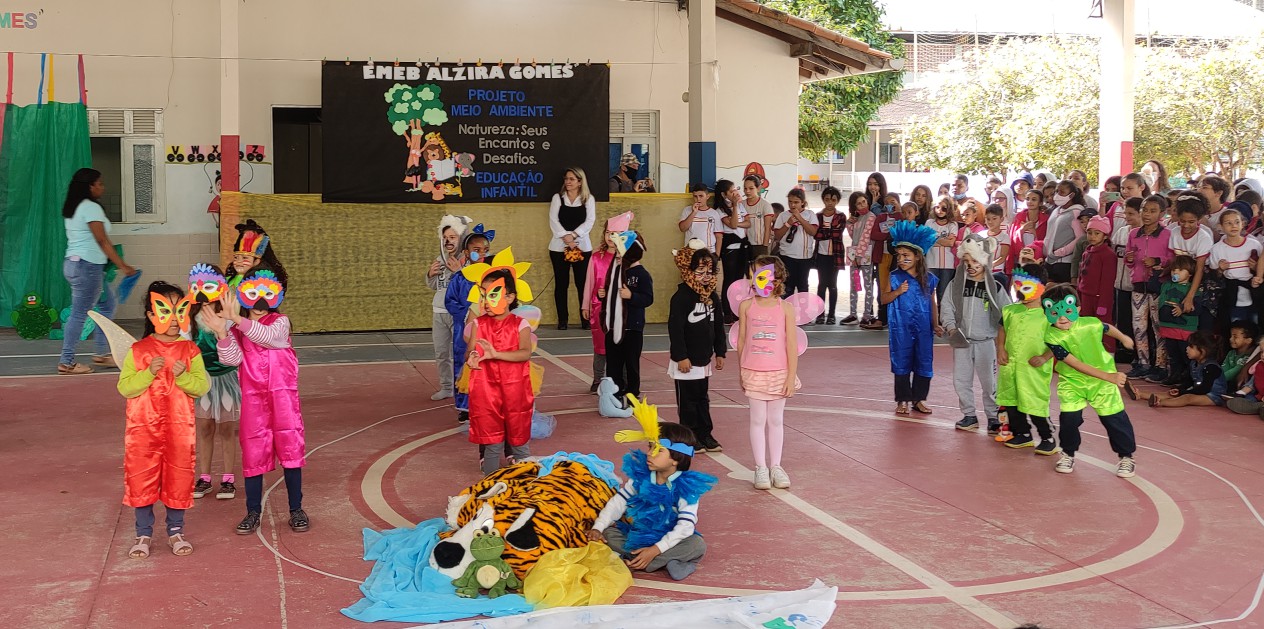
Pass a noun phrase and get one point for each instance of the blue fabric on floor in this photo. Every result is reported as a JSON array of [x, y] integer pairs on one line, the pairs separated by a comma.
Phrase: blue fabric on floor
[[597, 466], [404, 588]]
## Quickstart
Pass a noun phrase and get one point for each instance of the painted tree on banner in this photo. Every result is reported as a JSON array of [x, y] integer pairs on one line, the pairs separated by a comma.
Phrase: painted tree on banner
[[409, 110]]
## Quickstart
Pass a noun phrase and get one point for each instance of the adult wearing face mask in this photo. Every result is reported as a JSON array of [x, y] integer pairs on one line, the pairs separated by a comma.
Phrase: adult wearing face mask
[[1080, 179], [1063, 231], [960, 188], [624, 179]]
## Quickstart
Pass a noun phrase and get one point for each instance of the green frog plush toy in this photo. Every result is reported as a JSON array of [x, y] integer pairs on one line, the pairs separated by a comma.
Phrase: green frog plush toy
[[488, 571]]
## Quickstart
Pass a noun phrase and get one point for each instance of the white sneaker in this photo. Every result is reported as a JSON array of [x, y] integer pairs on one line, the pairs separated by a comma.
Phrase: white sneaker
[[780, 479], [441, 395], [1127, 468], [761, 478], [1065, 464]]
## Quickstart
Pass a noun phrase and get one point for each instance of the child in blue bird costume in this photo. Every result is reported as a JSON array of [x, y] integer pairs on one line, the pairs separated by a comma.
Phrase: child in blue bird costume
[[913, 314], [475, 247], [651, 522]]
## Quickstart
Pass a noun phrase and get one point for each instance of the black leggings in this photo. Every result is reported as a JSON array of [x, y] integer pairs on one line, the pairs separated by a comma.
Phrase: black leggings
[[797, 272], [827, 281], [1118, 429], [562, 281], [623, 362], [911, 388], [1019, 426], [293, 488]]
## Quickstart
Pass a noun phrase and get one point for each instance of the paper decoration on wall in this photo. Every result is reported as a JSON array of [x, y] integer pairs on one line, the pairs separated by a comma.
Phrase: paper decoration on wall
[[197, 153], [33, 319], [757, 169]]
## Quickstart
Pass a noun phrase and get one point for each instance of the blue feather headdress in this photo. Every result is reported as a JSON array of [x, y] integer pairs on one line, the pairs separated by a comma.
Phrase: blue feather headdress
[[910, 234]]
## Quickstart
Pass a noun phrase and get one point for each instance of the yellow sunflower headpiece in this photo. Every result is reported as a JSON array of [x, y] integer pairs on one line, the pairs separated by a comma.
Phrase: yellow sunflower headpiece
[[503, 260]]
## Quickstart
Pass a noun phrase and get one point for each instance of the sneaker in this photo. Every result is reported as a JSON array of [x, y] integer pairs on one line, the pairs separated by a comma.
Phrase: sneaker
[[1065, 464], [761, 478], [712, 445], [1140, 371], [1156, 375], [780, 479], [1243, 406], [462, 417], [298, 521], [968, 423], [593, 389], [820, 320], [994, 427], [830, 321], [1127, 467], [441, 395], [1020, 441], [849, 320], [201, 488], [249, 523], [1172, 381], [1047, 447], [227, 491]]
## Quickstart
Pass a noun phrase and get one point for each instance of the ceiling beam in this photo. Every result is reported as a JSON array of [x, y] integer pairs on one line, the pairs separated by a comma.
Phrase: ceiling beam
[[785, 32], [806, 49], [744, 19]]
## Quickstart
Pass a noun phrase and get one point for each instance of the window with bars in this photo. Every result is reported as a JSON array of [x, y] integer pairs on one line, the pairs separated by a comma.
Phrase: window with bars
[[888, 153], [127, 143], [635, 132]]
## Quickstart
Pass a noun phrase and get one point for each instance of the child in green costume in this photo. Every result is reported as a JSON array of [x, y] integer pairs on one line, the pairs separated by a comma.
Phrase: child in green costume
[[1023, 390], [1086, 377]]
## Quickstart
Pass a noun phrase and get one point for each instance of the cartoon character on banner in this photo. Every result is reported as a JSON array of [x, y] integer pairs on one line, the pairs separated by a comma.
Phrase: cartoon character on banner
[[757, 169], [216, 188], [444, 169], [33, 319], [807, 306]]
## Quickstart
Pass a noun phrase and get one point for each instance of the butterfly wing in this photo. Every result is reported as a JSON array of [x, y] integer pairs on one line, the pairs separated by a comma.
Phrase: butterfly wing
[[807, 307], [741, 290], [120, 341]]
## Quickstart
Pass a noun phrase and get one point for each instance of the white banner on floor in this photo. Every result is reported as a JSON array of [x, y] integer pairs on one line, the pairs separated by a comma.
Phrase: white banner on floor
[[808, 608]]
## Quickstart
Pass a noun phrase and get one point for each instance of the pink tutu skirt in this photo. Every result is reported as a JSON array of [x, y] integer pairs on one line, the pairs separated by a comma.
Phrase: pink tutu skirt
[[766, 385]]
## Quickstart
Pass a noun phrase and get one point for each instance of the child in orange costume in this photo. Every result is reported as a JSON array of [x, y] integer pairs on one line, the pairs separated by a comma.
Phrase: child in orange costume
[[161, 376]]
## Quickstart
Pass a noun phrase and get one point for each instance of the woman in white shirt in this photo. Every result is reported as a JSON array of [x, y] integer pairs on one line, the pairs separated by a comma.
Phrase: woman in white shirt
[[88, 249], [572, 213]]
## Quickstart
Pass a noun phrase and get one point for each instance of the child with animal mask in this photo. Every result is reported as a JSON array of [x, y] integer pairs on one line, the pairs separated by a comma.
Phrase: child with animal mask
[[695, 329], [913, 313], [255, 337], [501, 398], [971, 317], [475, 246], [160, 376], [1086, 378], [447, 264], [1023, 389]]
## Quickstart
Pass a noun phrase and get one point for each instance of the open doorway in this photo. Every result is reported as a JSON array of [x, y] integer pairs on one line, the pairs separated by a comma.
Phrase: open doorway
[[296, 156]]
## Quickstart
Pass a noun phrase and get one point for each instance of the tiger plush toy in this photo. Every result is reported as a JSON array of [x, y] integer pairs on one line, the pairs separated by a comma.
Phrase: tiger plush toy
[[535, 514]]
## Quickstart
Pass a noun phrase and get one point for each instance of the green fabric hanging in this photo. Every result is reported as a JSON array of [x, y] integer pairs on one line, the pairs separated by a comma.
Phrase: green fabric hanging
[[42, 148]]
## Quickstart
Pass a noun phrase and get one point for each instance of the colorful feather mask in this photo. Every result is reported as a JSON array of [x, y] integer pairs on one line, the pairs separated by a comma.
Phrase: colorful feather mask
[[647, 416], [261, 291], [206, 284], [1029, 288], [917, 237]]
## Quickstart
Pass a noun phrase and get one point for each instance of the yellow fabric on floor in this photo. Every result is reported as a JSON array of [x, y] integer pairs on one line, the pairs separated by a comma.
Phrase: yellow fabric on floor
[[593, 575]]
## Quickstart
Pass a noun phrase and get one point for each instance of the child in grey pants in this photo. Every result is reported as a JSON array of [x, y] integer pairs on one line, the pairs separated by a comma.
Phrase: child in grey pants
[[449, 261], [971, 317]]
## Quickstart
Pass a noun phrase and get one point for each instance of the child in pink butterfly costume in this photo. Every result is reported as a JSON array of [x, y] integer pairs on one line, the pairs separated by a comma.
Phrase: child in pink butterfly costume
[[768, 343]]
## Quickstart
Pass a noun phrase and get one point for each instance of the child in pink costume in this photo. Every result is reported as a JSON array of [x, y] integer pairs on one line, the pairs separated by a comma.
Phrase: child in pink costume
[[594, 292], [271, 419], [767, 347]]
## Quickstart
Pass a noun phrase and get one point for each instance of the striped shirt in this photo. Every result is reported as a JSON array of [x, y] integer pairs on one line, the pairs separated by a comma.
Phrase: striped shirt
[[686, 515], [275, 336]]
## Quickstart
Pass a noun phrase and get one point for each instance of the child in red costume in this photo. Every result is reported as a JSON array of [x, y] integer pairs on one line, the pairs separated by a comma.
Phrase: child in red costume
[[501, 398], [161, 376]]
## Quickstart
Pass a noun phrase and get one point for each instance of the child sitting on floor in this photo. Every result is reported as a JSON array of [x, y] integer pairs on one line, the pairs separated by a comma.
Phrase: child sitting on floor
[[1205, 385], [655, 514]]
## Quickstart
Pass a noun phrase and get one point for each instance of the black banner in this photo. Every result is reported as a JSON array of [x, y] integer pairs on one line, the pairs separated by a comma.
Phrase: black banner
[[444, 133]]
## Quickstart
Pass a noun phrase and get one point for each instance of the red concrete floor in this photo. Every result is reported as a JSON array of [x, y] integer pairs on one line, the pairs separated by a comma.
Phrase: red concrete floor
[[918, 525]]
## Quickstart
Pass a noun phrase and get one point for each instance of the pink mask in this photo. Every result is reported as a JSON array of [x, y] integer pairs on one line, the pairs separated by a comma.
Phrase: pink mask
[[764, 277]]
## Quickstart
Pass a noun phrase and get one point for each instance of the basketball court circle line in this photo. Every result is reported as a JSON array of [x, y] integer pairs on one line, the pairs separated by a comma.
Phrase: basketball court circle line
[[1027, 584]]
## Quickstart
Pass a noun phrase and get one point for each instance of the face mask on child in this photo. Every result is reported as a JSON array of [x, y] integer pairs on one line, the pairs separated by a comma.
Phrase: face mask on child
[[1061, 199]]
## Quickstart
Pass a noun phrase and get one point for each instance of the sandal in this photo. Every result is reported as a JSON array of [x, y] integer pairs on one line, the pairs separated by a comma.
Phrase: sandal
[[140, 549], [73, 369], [179, 546], [1154, 399], [1130, 390], [922, 408], [299, 522], [902, 408], [104, 361]]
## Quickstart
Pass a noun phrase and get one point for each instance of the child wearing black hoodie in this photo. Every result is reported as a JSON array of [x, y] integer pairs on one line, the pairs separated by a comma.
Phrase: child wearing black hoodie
[[696, 333]]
